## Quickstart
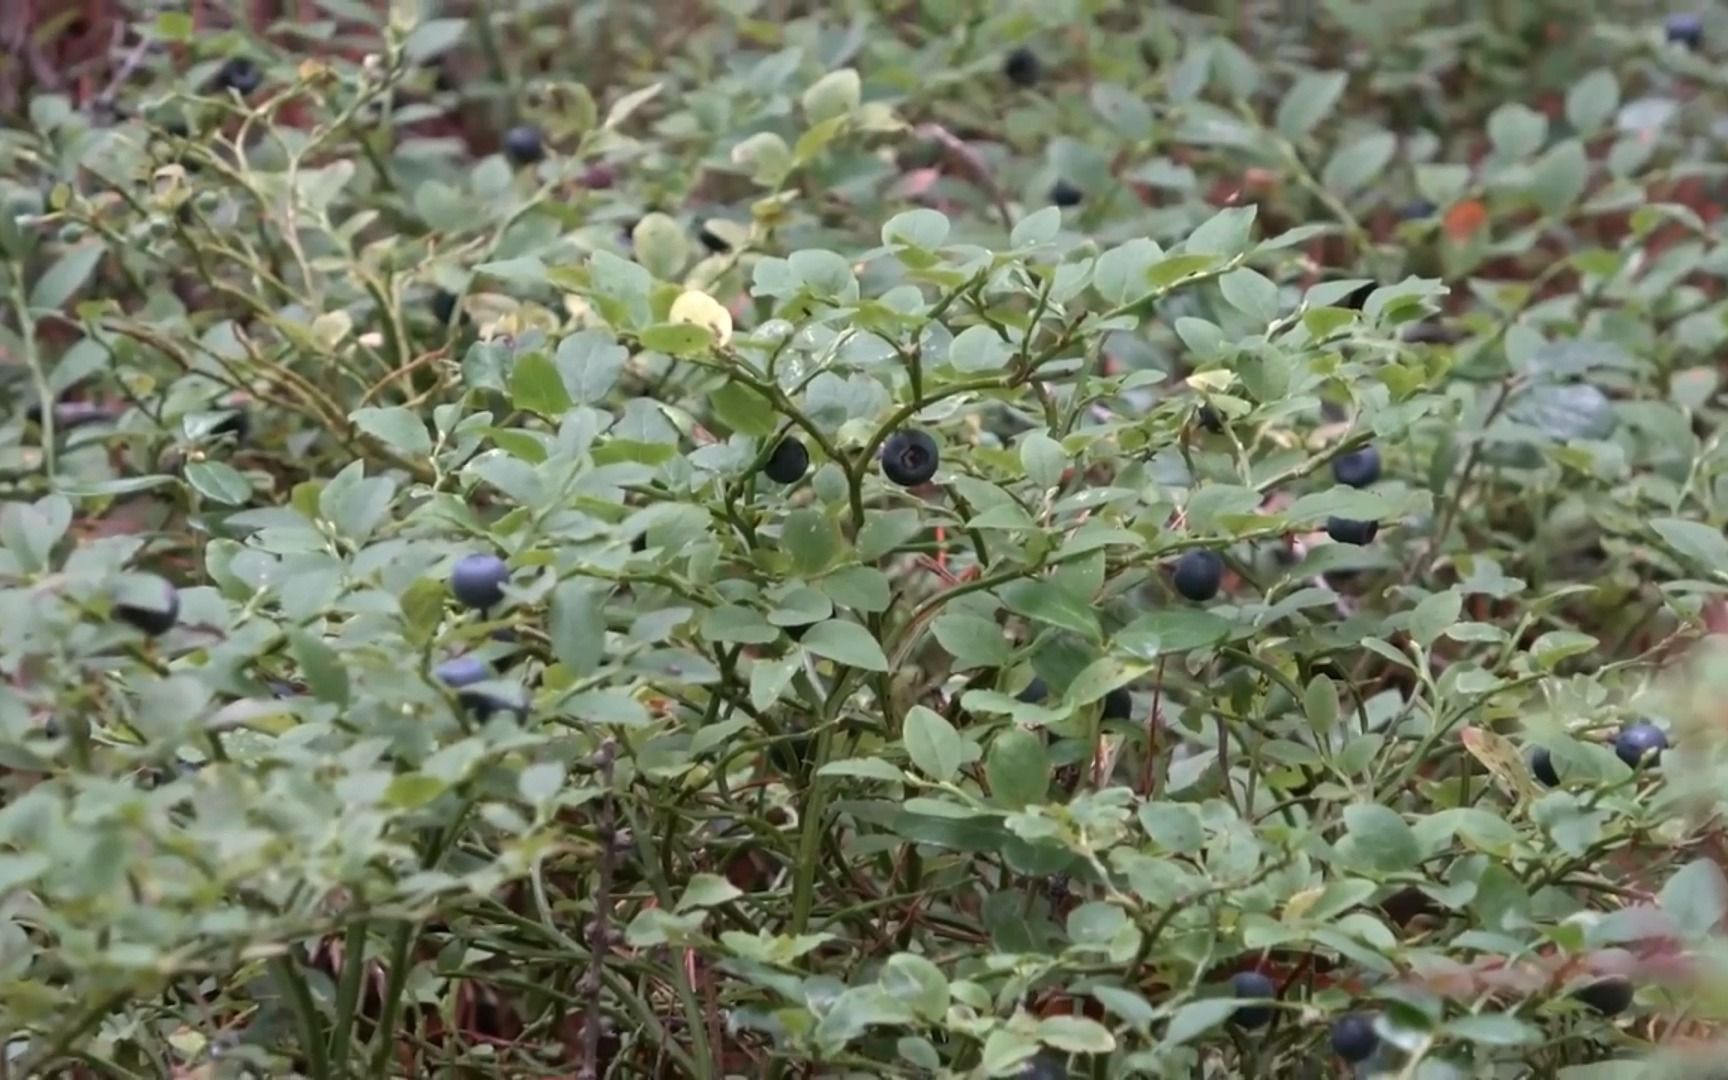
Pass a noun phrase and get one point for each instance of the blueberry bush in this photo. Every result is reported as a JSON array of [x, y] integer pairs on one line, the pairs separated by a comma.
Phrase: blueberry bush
[[733, 538]]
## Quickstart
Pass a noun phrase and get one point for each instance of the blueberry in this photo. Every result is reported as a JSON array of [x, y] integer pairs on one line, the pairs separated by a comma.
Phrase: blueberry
[[1034, 692], [1353, 1037], [1044, 1065], [1062, 193], [1417, 210], [155, 619], [1686, 28], [461, 671], [237, 423], [1358, 468], [1542, 767], [1210, 419], [788, 462], [712, 241], [478, 580], [1610, 997], [524, 145], [1346, 531], [1640, 742], [240, 75], [443, 306], [1022, 67], [1252, 984], [909, 458], [1118, 704], [1198, 574]]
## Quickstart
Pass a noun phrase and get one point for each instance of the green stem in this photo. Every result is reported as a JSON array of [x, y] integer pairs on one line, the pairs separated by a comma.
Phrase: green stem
[[286, 971], [33, 360], [347, 997]]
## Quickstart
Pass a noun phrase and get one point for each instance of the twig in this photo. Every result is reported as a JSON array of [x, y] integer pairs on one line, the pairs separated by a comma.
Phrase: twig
[[598, 943]]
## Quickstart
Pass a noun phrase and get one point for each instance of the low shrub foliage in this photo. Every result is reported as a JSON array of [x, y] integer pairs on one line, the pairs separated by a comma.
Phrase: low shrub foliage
[[1071, 539]]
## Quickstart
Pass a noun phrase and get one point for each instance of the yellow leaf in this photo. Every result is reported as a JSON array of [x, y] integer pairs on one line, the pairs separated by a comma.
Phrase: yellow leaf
[[700, 309]]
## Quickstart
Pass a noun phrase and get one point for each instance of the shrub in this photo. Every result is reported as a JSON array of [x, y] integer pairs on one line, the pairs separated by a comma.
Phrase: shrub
[[943, 628]]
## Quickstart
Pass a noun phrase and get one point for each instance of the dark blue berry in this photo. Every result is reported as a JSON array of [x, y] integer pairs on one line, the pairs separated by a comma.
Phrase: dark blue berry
[[153, 619], [1022, 66], [240, 75], [1198, 574], [1347, 531], [1640, 743], [1118, 704], [1035, 691], [909, 458], [1358, 468], [1610, 997], [1686, 28], [1542, 767], [524, 145], [478, 580], [786, 465], [1062, 193], [1353, 1037], [1252, 984]]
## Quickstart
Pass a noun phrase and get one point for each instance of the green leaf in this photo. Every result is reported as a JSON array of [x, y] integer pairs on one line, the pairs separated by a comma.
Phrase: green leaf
[[1380, 838], [743, 410], [1197, 1018], [1048, 602], [1592, 101], [933, 744], [320, 666], [1320, 703], [1312, 98], [1358, 162], [914, 980], [219, 482], [432, 38], [1251, 293], [834, 94], [66, 276], [812, 539], [589, 362], [1435, 615], [921, 228], [660, 245], [1494, 1029], [845, 643], [576, 625], [1038, 227], [398, 428], [678, 339], [536, 387], [979, 348], [411, 791], [626, 106], [1693, 540], [1018, 769], [973, 641], [1163, 633], [706, 891], [1076, 1035], [1696, 898]]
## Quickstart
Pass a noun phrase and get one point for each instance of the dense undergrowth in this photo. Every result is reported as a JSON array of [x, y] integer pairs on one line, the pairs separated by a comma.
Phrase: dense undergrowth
[[958, 539]]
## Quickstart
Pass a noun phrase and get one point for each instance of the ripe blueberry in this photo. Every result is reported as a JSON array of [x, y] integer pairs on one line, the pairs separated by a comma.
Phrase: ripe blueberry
[[1062, 193], [240, 75], [1640, 742], [1610, 997], [1358, 468], [1417, 210], [1210, 419], [1686, 28], [478, 580], [443, 306], [712, 241], [786, 465], [237, 423], [1034, 692], [523, 144], [1353, 1037], [156, 619], [1252, 984], [1346, 531], [460, 671], [910, 457], [1542, 767], [1022, 66], [1118, 704], [1198, 574], [1044, 1065]]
